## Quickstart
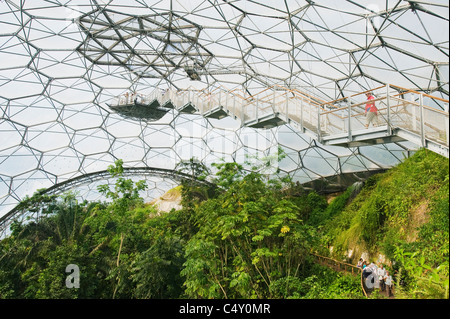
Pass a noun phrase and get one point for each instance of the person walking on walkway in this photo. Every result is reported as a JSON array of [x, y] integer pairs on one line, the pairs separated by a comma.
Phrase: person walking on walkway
[[371, 111]]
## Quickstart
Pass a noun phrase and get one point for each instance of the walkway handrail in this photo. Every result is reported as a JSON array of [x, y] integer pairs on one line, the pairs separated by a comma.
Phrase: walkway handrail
[[362, 285], [353, 268], [417, 92], [340, 263], [401, 112]]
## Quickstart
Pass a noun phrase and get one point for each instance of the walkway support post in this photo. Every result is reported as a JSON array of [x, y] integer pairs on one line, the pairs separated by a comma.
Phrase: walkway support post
[[234, 107], [287, 107], [257, 108], [349, 110], [273, 102], [446, 122], [242, 115], [301, 115], [388, 102], [319, 135], [422, 121]]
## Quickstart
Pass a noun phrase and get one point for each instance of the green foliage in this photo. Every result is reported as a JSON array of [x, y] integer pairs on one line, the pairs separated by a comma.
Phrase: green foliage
[[321, 211], [194, 168], [156, 272], [101, 238], [249, 237], [125, 192], [425, 281], [318, 282], [227, 174], [404, 209]]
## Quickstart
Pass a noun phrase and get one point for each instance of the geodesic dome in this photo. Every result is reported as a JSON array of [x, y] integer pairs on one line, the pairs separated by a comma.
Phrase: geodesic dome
[[63, 62]]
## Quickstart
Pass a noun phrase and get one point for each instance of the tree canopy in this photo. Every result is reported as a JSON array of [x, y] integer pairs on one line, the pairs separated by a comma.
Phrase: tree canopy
[[247, 237]]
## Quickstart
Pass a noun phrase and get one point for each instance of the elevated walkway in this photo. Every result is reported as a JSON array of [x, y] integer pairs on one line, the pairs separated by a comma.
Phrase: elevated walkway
[[403, 115]]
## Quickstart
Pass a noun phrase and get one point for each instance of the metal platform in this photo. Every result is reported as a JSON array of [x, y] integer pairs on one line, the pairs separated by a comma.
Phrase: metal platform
[[266, 122], [151, 112], [188, 108], [370, 136], [168, 104], [217, 113], [330, 123]]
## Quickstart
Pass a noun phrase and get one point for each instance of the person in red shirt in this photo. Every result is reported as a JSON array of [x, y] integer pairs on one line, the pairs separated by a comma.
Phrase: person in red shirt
[[371, 111]]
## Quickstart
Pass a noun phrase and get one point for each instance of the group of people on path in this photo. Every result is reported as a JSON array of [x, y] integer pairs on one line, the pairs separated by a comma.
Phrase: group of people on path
[[132, 97], [376, 276]]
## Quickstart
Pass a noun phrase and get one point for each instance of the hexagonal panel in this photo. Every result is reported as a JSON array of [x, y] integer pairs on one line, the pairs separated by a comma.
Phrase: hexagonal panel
[[62, 63]]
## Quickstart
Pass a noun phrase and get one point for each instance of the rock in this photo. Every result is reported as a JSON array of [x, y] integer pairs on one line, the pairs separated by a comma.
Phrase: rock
[[170, 200]]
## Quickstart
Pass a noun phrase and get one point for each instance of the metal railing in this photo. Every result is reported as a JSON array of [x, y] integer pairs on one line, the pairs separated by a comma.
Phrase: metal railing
[[407, 110], [342, 266], [398, 109]]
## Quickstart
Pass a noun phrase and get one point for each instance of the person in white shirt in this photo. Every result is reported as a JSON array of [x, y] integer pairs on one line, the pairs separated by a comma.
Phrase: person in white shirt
[[388, 282], [381, 272]]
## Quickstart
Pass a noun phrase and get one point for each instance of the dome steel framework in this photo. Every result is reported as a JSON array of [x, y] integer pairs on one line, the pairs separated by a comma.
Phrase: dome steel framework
[[63, 62]]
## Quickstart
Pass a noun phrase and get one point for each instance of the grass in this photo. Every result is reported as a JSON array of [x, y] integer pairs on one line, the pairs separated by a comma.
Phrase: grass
[[391, 208]]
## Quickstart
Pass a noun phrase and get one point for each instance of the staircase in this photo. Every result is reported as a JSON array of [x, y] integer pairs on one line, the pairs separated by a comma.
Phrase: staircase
[[403, 115]]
